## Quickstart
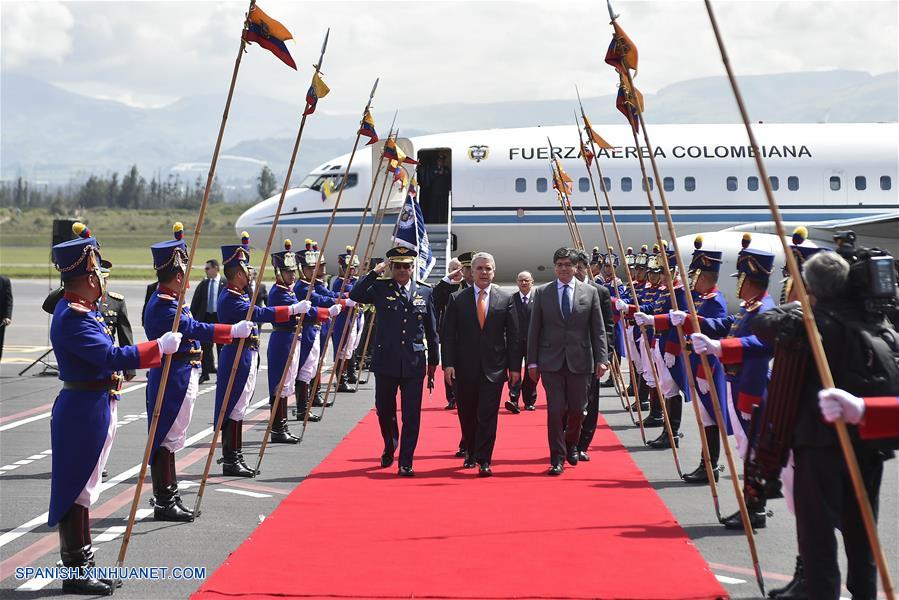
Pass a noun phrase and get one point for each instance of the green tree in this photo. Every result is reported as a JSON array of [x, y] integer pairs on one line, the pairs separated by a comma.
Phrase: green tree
[[266, 183]]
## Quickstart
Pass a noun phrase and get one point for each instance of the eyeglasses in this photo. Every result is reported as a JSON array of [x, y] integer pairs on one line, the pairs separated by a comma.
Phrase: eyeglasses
[[398, 265]]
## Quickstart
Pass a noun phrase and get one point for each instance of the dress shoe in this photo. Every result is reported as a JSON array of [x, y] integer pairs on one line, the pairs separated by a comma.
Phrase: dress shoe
[[572, 458], [608, 383], [582, 455], [469, 463], [653, 421], [643, 406], [204, 378], [795, 589], [512, 407], [530, 407], [662, 441], [555, 470], [699, 475], [284, 436], [757, 519], [406, 472], [460, 453], [450, 405], [485, 471], [386, 459]]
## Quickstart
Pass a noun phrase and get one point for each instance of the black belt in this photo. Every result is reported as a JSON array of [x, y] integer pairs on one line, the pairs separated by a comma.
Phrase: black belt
[[250, 342], [104, 385], [189, 356], [277, 327]]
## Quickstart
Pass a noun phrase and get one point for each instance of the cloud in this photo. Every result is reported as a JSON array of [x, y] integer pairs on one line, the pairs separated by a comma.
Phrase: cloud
[[432, 52], [35, 32]]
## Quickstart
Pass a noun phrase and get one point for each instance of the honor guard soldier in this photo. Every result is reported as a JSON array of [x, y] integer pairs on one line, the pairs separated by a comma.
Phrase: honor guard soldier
[[83, 420], [407, 324], [608, 278], [170, 263], [311, 340], [233, 306], [745, 357], [348, 265], [281, 339]]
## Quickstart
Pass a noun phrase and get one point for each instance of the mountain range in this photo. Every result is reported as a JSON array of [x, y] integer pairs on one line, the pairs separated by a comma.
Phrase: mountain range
[[50, 134]]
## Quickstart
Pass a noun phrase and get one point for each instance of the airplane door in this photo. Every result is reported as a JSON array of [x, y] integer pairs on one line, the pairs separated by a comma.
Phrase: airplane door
[[435, 179], [836, 187]]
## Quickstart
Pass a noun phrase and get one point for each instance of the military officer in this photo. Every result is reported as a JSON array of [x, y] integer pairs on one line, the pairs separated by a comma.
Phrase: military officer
[[83, 421], [407, 325], [348, 265], [233, 307], [170, 263]]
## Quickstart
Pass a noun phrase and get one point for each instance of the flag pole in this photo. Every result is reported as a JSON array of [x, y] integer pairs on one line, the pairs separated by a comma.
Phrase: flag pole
[[632, 100], [605, 238], [558, 184], [811, 329], [282, 382], [321, 252], [167, 363], [336, 370]]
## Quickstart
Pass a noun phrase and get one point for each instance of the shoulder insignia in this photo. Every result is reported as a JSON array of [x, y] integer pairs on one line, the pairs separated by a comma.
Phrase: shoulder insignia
[[383, 278], [235, 292], [165, 297], [753, 307], [709, 296], [115, 295], [79, 307]]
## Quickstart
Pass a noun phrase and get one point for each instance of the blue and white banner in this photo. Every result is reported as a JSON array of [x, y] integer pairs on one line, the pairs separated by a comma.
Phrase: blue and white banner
[[411, 233]]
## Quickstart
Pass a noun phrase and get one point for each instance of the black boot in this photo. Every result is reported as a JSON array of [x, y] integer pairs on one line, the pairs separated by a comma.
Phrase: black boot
[[232, 460], [714, 442], [302, 394], [655, 418], [238, 448], [795, 590], [77, 553], [758, 516], [675, 406], [280, 431], [343, 384], [317, 401], [174, 478], [165, 489], [351, 374]]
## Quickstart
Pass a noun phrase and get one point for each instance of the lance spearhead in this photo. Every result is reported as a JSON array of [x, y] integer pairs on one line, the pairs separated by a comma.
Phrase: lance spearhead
[[373, 88], [612, 14]]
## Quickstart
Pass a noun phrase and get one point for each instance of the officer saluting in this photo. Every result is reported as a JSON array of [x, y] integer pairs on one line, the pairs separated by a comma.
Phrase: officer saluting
[[83, 422], [406, 316], [170, 264]]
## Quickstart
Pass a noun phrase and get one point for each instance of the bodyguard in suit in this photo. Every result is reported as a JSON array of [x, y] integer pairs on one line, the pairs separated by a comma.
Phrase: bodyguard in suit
[[566, 346], [479, 345], [204, 304], [526, 389], [451, 283], [407, 322]]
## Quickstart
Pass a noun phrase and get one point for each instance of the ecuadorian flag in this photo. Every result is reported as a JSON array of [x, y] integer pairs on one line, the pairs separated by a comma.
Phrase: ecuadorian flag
[[368, 128], [270, 34], [317, 90]]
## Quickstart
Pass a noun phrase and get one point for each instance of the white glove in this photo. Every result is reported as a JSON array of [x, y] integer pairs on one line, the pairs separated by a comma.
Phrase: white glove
[[621, 305], [835, 403], [169, 342], [350, 303], [302, 306], [643, 319], [702, 385], [243, 329], [703, 344], [677, 317], [746, 416], [334, 310], [669, 359]]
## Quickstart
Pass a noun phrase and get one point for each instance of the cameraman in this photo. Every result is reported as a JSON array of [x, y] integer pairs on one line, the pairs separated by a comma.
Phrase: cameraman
[[824, 496]]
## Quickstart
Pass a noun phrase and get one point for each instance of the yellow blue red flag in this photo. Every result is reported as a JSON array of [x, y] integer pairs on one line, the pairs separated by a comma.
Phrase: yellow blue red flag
[[629, 102], [368, 128], [622, 52], [317, 90], [394, 152], [268, 33], [597, 139]]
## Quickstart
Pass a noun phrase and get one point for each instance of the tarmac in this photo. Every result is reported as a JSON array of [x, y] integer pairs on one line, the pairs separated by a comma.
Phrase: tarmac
[[233, 507]]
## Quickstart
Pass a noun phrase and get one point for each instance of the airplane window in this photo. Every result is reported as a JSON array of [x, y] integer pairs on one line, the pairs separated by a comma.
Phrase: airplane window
[[690, 184], [521, 185], [752, 183], [835, 183], [583, 184], [775, 183], [792, 183], [861, 183], [650, 184], [315, 182], [541, 184], [885, 182], [668, 184], [607, 183], [731, 184], [625, 184]]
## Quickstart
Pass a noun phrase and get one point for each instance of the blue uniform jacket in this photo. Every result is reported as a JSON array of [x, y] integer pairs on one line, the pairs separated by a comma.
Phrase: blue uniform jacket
[[667, 339], [615, 291], [312, 328], [232, 308], [340, 321], [404, 327], [282, 335], [158, 317], [79, 419]]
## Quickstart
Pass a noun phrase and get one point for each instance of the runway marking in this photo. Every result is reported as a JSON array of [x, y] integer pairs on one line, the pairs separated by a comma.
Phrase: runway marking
[[730, 580], [46, 415], [243, 493], [25, 413]]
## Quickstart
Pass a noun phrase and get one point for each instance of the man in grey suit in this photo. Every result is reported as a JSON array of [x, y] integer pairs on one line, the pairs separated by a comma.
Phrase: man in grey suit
[[566, 346]]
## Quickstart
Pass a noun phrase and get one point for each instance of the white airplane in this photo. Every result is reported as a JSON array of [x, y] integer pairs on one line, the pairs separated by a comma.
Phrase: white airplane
[[493, 191]]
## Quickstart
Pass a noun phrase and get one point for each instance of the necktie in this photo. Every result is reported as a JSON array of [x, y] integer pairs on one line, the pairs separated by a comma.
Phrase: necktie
[[566, 303], [482, 307], [210, 303]]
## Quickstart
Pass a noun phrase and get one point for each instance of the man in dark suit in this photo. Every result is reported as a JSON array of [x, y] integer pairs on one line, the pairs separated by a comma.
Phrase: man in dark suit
[[450, 284], [521, 313], [588, 427], [5, 308], [204, 307], [479, 345], [151, 289], [566, 346]]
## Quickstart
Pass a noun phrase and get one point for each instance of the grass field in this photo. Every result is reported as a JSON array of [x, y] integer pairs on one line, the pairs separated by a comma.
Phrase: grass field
[[125, 237]]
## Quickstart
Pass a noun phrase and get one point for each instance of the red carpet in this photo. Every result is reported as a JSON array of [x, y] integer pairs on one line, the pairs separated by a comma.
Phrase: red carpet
[[353, 530]]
